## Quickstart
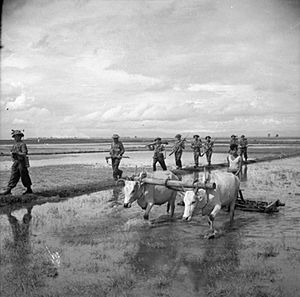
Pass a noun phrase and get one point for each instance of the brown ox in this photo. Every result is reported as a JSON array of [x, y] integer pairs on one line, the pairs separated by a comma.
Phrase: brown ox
[[210, 201], [148, 195]]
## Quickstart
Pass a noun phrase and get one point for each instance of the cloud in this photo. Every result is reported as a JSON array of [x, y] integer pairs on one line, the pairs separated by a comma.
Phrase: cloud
[[19, 122], [22, 102], [149, 66]]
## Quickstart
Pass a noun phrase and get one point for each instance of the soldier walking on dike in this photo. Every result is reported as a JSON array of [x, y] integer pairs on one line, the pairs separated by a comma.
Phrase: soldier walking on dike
[[179, 146], [20, 164], [208, 148], [196, 146], [116, 152], [158, 156], [233, 141], [243, 148]]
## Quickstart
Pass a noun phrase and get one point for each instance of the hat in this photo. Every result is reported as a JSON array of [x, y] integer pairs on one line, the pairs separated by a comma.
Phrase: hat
[[177, 135], [207, 137], [16, 132], [242, 136], [196, 136], [157, 138], [115, 136], [233, 135]]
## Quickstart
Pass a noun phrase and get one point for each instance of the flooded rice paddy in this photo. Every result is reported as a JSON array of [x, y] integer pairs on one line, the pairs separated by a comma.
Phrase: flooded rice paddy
[[137, 158], [91, 246]]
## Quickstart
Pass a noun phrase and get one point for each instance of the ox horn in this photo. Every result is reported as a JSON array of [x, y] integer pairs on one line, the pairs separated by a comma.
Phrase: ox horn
[[120, 180], [135, 170]]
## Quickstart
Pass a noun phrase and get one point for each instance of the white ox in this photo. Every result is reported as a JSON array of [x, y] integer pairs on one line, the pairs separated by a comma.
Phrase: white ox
[[148, 195], [210, 201]]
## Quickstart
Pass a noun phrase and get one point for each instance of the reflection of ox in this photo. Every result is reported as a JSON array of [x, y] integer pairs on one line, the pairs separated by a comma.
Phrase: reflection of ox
[[211, 200], [148, 195]]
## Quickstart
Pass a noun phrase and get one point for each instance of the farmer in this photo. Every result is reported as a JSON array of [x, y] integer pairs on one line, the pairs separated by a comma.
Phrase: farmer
[[196, 146], [20, 163], [244, 147], [208, 149], [116, 152], [234, 160], [178, 148], [158, 155]]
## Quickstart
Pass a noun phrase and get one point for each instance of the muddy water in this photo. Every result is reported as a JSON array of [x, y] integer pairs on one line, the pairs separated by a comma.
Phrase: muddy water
[[92, 246]]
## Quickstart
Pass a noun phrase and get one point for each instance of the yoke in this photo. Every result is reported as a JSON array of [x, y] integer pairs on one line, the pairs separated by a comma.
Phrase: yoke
[[174, 184]]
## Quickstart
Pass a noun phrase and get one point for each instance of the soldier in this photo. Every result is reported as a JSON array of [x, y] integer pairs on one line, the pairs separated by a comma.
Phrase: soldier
[[196, 146], [243, 147], [233, 141], [177, 150], [116, 152], [20, 163], [158, 155], [208, 149]]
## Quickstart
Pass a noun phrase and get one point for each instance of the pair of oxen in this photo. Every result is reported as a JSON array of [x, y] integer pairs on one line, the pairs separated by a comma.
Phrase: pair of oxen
[[209, 201]]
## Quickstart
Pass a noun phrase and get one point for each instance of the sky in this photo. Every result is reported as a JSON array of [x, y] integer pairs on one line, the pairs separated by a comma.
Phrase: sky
[[91, 68]]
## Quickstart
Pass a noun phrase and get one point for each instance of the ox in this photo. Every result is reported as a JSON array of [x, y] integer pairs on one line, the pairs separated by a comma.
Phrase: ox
[[210, 201], [148, 195]]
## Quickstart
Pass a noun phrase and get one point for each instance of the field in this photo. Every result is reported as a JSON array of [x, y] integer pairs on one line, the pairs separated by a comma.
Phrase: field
[[90, 245]]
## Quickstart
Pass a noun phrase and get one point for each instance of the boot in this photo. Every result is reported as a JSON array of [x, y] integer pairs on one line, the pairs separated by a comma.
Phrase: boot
[[7, 192], [28, 191]]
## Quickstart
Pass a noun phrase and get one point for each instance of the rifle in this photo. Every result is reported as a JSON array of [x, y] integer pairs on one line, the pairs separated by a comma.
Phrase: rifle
[[173, 149], [110, 157], [154, 143], [211, 145]]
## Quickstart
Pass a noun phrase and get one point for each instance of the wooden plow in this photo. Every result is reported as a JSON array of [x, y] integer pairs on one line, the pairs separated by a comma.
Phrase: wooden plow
[[258, 206]]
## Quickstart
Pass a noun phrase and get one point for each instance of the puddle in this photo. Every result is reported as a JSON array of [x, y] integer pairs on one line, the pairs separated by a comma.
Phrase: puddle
[[91, 246]]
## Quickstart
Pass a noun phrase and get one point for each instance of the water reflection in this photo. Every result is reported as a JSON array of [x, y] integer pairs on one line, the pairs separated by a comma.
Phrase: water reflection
[[20, 250], [20, 230], [219, 260], [156, 252], [117, 194], [244, 172]]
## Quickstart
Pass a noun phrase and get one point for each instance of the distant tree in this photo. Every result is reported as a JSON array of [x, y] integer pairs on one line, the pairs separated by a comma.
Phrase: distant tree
[[269, 134], [277, 135]]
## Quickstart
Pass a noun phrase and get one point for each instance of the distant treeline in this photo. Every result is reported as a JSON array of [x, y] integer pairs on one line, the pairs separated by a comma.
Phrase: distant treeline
[[220, 140]]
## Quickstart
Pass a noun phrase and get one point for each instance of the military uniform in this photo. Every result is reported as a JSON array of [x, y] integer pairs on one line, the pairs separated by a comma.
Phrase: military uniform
[[208, 148], [233, 142], [116, 152], [243, 148], [20, 161], [196, 146], [178, 149], [158, 156]]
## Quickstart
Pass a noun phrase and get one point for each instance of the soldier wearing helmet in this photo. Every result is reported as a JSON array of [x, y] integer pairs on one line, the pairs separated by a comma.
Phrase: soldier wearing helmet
[[233, 141], [208, 148], [196, 146], [20, 164], [178, 149], [116, 152], [159, 150], [244, 148]]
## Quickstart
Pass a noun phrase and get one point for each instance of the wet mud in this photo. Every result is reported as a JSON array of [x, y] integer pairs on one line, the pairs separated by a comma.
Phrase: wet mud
[[91, 245]]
